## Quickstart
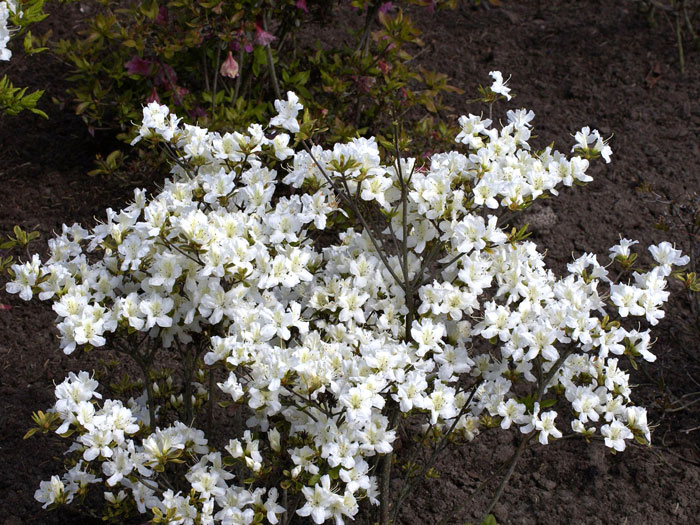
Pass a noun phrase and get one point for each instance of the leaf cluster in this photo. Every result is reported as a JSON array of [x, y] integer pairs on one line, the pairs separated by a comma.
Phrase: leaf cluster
[[21, 239], [129, 54], [14, 100]]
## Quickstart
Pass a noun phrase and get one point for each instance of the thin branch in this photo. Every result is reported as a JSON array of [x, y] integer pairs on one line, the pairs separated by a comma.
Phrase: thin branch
[[357, 212], [271, 63], [237, 89], [506, 478], [408, 485], [216, 79]]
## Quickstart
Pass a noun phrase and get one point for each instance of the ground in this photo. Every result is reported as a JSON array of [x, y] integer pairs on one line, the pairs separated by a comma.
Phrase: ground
[[594, 63]]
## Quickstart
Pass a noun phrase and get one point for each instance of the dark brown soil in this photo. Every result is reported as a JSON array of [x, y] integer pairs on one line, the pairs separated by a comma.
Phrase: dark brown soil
[[590, 62]]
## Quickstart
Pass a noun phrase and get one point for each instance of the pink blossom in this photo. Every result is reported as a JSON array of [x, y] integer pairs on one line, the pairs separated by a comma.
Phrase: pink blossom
[[364, 83], [385, 7], [229, 67], [197, 112], [181, 91], [235, 45], [138, 66], [262, 37], [162, 17], [153, 97], [301, 4]]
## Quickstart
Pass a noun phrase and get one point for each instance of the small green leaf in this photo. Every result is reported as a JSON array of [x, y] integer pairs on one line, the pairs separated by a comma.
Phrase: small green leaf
[[546, 403], [489, 520]]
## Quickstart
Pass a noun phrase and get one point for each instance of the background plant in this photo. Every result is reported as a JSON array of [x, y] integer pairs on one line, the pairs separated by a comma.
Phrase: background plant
[[221, 64], [683, 16], [14, 21]]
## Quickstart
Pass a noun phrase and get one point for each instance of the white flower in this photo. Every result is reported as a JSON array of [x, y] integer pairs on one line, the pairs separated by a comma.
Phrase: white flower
[[499, 86], [26, 276], [546, 427], [308, 328], [319, 500], [51, 492], [615, 435], [666, 255], [287, 112], [510, 411], [6, 9], [156, 309], [622, 249], [281, 146]]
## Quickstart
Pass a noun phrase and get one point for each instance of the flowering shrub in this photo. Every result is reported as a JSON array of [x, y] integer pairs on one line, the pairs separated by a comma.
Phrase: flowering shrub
[[330, 295], [15, 18]]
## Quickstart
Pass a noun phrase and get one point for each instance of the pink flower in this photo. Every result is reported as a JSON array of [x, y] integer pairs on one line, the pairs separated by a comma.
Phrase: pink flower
[[162, 17], [138, 66], [262, 37], [229, 68], [197, 112], [235, 45], [301, 4], [153, 97], [385, 7], [364, 83], [181, 91]]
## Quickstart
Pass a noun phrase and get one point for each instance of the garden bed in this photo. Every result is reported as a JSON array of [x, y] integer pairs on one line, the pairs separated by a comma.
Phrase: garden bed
[[591, 63]]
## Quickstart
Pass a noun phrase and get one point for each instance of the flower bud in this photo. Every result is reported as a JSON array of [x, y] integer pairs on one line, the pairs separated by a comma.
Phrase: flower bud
[[153, 97], [229, 68], [262, 37], [274, 436]]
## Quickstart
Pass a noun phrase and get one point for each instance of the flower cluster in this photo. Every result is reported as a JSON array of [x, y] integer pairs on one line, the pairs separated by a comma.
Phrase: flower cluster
[[7, 8], [438, 313], [108, 432]]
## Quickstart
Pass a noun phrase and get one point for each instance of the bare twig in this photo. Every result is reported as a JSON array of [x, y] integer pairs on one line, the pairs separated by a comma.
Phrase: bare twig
[[271, 63]]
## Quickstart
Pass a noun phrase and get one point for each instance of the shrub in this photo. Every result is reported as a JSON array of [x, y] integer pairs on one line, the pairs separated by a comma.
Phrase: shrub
[[312, 302]]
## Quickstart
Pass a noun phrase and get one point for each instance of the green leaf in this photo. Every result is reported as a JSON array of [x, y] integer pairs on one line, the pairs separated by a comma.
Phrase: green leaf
[[30, 433], [259, 59], [489, 520], [641, 440], [150, 9], [14, 100], [313, 480], [546, 403]]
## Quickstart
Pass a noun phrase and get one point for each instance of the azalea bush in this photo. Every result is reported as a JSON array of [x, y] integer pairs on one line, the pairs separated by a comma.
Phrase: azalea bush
[[222, 64], [312, 302], [14, 19]]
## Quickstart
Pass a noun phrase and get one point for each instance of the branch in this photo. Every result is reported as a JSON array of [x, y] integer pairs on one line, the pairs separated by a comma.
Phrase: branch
[[357, 212]]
